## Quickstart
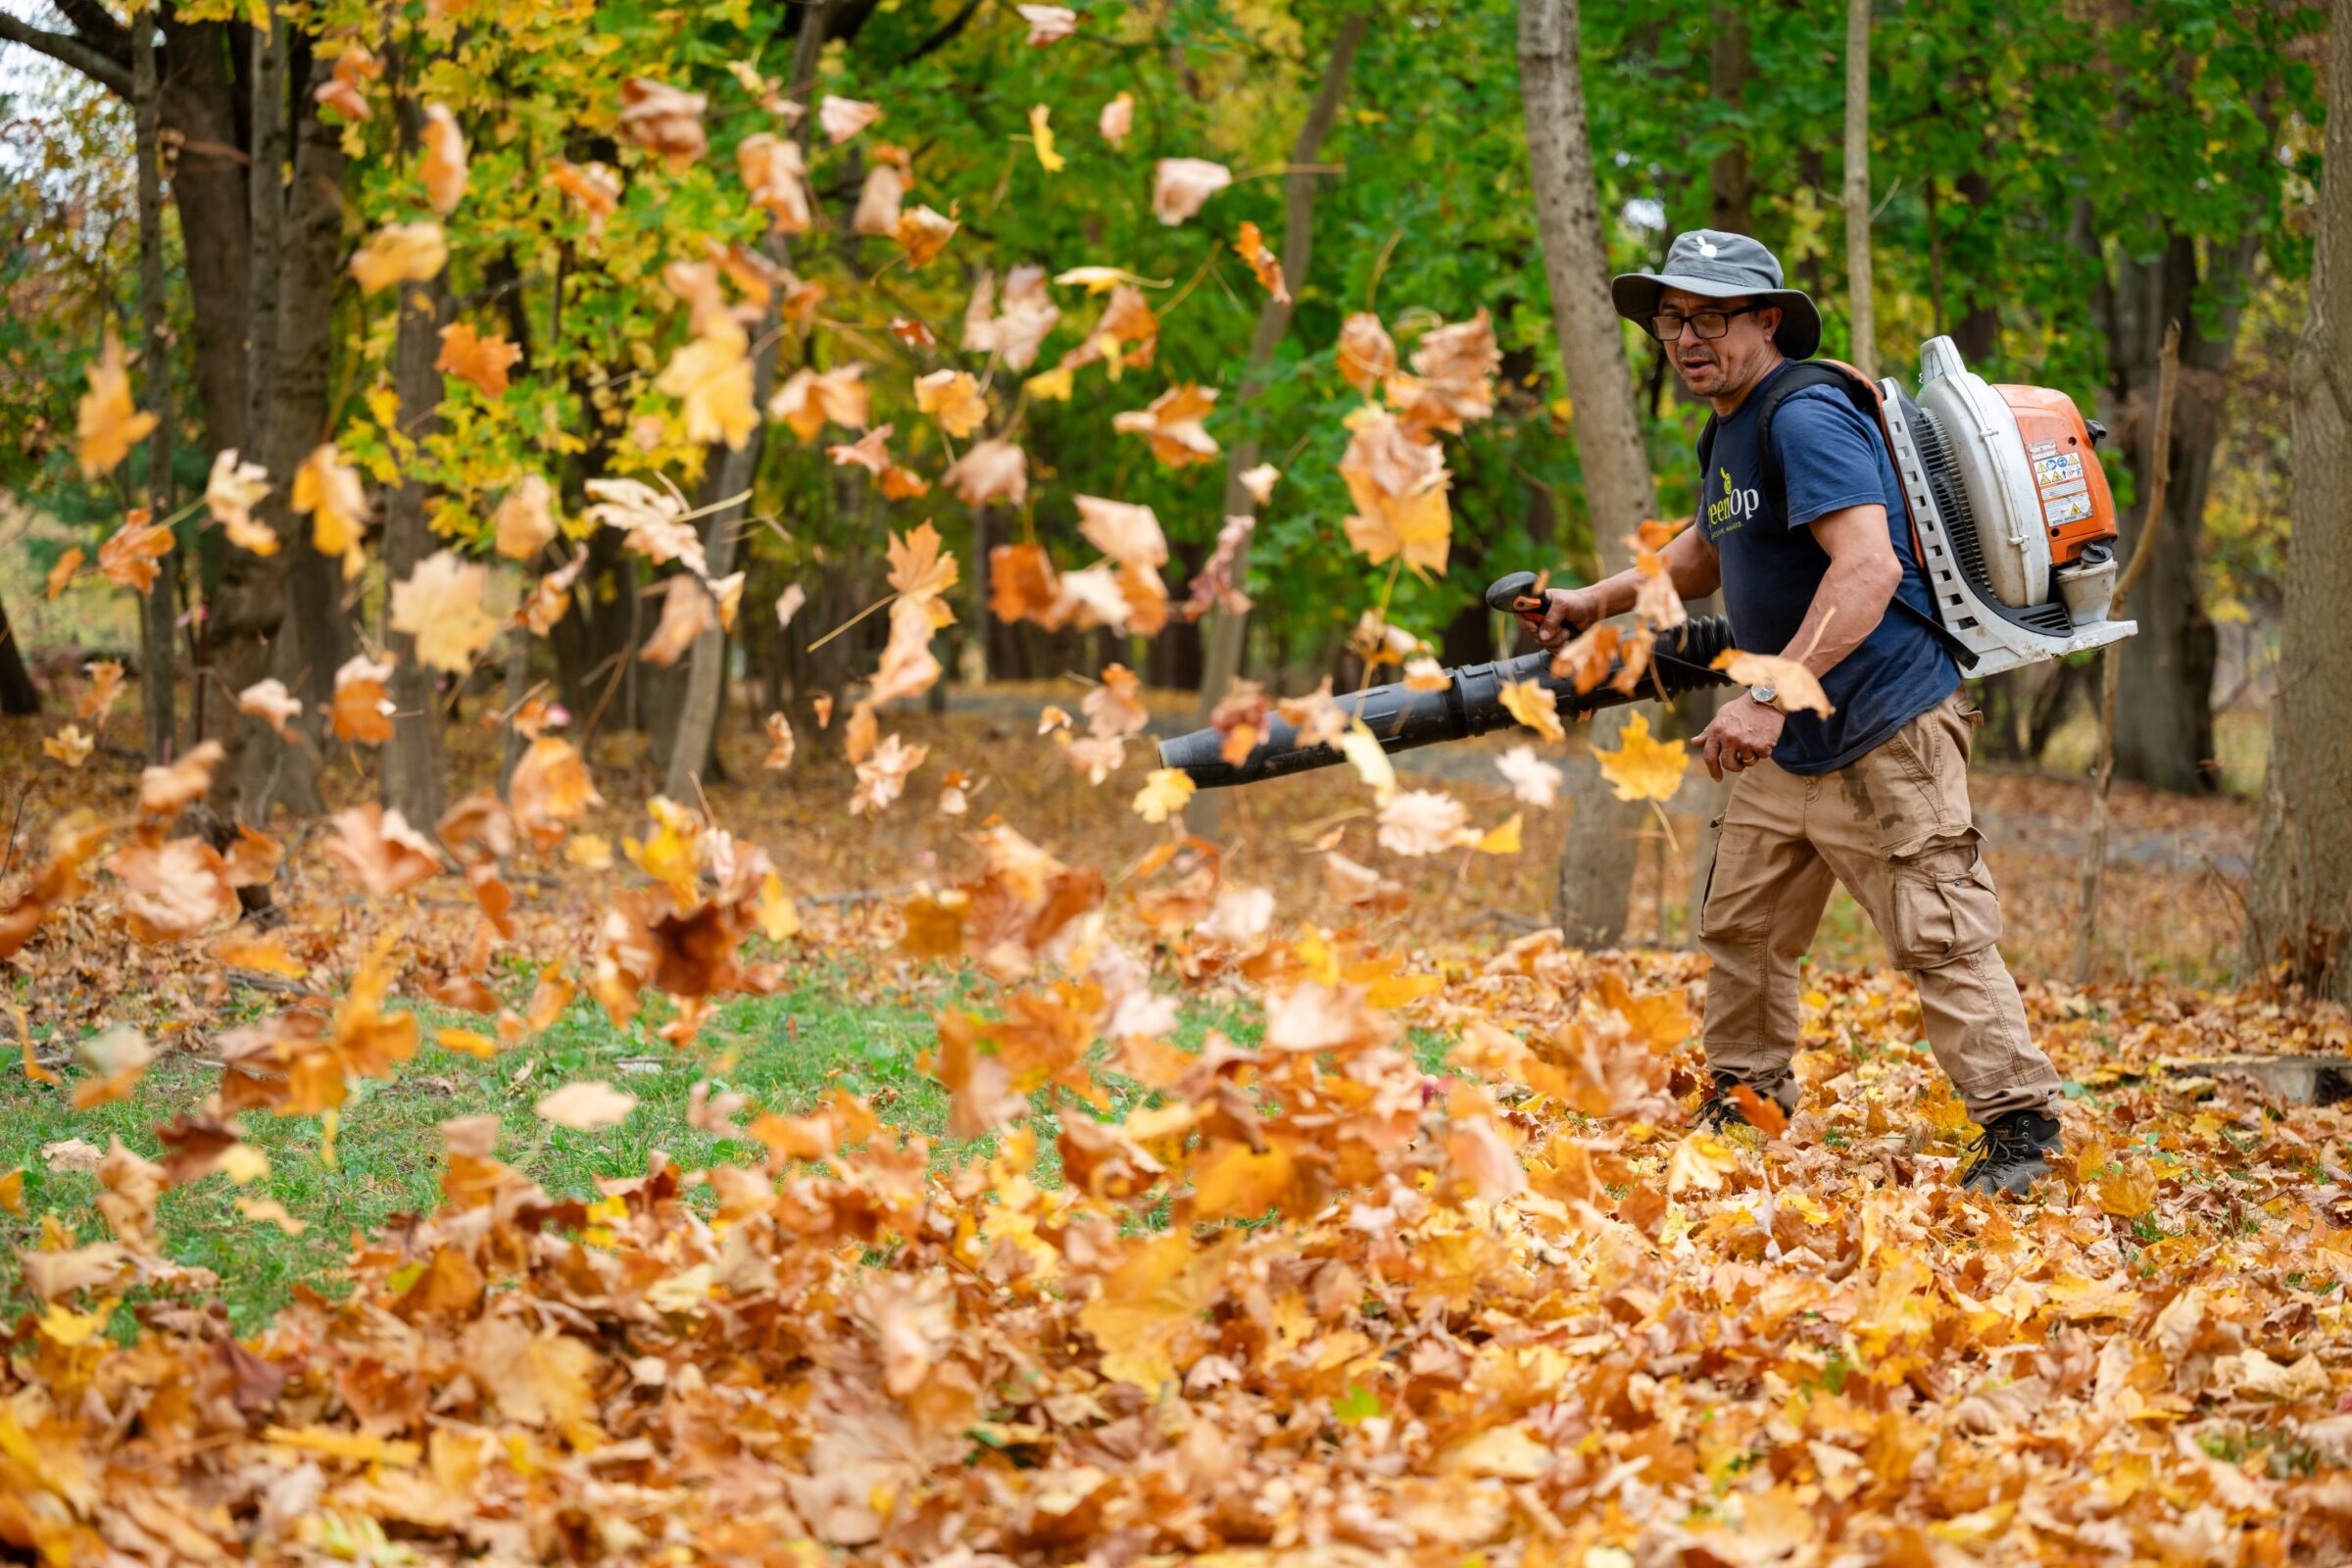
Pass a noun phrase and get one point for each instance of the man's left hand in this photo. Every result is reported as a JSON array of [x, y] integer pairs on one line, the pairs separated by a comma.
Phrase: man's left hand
[[1743, 734]]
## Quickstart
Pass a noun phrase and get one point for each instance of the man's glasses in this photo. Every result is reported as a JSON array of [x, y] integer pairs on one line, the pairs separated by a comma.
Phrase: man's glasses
[[1667, 326]]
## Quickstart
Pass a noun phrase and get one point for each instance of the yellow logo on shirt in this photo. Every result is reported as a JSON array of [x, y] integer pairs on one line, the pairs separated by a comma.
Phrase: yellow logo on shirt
[[1735, 508]]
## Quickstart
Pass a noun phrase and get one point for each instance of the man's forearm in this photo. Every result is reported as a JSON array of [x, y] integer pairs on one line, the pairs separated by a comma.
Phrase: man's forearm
[[1690, 563], [1846, 608]]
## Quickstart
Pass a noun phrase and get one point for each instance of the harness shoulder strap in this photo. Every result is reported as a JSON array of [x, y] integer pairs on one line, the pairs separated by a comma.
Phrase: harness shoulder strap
[[1863, 393]]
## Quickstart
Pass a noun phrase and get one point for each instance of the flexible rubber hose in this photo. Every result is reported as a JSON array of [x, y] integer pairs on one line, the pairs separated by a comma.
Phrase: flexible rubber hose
[[1471, 704]]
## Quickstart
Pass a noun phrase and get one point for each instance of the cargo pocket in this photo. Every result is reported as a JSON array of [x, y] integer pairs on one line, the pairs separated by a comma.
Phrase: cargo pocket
[[1945, 905]]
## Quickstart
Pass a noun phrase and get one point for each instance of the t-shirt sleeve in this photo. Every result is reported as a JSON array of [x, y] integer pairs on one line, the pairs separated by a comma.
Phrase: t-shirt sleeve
[[1829, 456]]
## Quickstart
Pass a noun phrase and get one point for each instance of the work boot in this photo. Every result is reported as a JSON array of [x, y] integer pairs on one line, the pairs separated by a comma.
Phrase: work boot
[[1719, 1112], [2011, 1154]]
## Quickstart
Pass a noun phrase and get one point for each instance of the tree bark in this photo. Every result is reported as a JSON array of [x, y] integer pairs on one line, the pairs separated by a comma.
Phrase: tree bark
[[1228, 633], [2299, 904], [409, 778], [1597, 869], [20, 698], [311, 637], [2163, 727], [1731, 194], [158, 649], [1860, 305], [730, 475]]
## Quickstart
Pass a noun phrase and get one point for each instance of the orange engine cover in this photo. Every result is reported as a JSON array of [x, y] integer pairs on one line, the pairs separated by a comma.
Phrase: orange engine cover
[[2076, 505]]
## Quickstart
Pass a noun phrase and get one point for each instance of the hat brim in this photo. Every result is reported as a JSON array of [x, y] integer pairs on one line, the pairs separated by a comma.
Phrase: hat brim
[[1636, 296]]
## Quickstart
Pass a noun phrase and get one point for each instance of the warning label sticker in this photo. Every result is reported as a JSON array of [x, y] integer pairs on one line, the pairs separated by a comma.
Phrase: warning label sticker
[[2051, 471], [2066, 509]]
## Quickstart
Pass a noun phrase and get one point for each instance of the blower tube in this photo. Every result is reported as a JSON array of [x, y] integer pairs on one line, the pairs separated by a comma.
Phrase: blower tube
[[1471, 703]]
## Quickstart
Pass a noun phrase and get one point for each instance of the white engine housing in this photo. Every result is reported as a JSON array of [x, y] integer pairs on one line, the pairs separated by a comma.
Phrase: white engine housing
[[1987, 568]]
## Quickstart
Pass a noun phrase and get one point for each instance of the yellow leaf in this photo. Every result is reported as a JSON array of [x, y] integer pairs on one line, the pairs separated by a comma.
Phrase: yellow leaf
[[328, 491], [1642, 769], [466, 1042], [1362, 748], [440, 605], [107, 424], [1041, 134], [1700, 1160], [1502, 840], [400, 253], [1798, 687], [243, 1164], [68, 746], [1163, 794], [1534, 705], [953, 398]]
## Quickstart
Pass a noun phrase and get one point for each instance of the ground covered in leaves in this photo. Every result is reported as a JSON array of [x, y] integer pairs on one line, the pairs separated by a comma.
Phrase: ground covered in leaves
[[976, 1204]]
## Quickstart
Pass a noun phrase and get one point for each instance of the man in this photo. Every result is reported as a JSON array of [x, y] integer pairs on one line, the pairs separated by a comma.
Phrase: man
[[1876, 794]]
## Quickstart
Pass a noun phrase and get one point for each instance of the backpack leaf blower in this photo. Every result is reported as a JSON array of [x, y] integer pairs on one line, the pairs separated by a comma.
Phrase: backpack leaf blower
[[2011, 521]]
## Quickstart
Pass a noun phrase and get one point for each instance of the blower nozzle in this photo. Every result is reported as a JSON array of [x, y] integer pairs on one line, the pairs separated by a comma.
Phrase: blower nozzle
[[1471, 704]]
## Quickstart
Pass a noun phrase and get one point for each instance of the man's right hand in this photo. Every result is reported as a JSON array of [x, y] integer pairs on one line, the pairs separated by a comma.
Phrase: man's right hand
[[1567, 611]]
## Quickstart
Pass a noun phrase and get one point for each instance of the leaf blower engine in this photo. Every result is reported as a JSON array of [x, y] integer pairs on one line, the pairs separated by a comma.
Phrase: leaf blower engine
[[2010, 516]]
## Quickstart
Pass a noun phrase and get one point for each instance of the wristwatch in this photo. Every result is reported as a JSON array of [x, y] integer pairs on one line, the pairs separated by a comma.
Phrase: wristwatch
[[1768, 696]]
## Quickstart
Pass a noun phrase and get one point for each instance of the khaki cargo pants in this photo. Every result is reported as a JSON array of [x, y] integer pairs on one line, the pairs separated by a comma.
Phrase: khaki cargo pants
[[1894, 826]]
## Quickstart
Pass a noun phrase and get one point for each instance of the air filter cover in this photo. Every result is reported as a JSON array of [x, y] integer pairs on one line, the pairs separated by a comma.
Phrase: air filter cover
[[1989, 453]]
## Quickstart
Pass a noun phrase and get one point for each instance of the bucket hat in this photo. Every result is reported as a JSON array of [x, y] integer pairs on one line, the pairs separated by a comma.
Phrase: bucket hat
[[1721, 266]]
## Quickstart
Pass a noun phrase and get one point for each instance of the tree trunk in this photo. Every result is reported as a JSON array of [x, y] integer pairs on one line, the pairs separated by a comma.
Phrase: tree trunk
[[159, 650], [311, 637], [208, 187], [2299, 905], [1597, 869], [1864, 349], [2164, 725], [730, 475], [411, 775], [1729, 68], [20, 698], [1228, 633]]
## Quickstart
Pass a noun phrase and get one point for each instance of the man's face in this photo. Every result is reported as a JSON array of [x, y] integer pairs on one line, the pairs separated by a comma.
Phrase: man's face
[[1724, 367]]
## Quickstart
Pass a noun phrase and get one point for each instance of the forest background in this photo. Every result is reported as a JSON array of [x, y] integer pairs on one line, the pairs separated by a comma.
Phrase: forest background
[[2052, 208]]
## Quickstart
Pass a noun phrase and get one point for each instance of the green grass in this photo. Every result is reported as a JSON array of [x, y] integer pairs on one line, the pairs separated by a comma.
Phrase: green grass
[[788, 1052]]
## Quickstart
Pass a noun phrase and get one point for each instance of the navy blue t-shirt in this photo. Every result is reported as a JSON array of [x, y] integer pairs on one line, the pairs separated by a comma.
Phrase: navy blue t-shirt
[[1831, 457]]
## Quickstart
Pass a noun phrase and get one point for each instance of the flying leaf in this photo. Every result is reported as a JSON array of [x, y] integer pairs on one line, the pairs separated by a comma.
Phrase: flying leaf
[[990, 470], [1040, 136], [1047, 25], [711, 377], [130, 555], [328, 490], [62, 572], [1179, 185], [68, 746], [664, 120], [480, 361], [440, 605], [1259, 482], [843, 117], [525, 520], [809, 399], [1367, 354], [380, 851], [586, 1106], [923, 233], [346, 93], [1533, 703], [1532, 779], [1163, 793], [444, 160], [772, 171], [400, 253], [919, 565], [232, 493], [882, 776], [1126, 534], [270, 702], [1116, 120], [108, 425], [779, 744], [1259, 258], [1798, 688], [1399, 484], [1643, 768], [1172, 423], [362, 708], [953, 398], [687, 611], [1420, 822]]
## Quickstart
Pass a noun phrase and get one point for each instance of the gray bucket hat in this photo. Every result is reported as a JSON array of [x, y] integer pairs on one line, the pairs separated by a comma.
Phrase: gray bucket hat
[[1722, 267]]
